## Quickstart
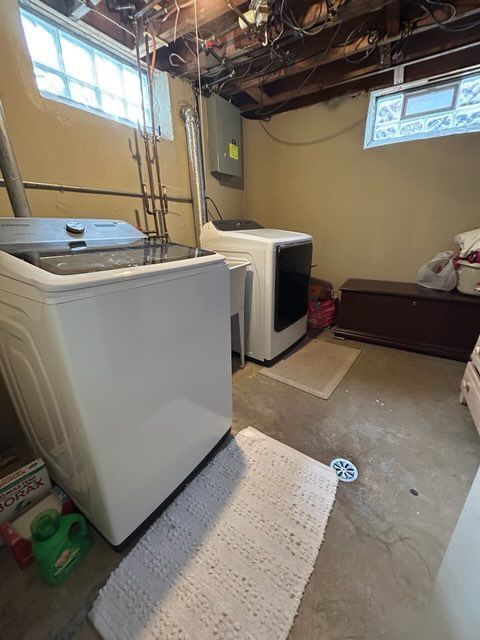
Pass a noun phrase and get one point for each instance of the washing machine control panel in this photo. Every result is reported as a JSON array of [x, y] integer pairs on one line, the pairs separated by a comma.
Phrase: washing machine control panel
[[28, 232]]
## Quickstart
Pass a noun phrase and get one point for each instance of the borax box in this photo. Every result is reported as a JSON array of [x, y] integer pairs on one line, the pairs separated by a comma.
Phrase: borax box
[[22, 489]]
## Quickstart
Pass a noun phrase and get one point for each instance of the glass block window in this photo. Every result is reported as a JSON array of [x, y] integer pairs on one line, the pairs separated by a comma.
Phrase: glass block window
[[70, 69], [428, 110]]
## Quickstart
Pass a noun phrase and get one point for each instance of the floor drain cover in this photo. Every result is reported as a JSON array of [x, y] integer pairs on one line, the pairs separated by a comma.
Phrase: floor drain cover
[[345, 470]]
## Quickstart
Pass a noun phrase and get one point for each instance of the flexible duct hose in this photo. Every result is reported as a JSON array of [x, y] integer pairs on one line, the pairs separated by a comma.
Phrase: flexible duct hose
[[195, 165]]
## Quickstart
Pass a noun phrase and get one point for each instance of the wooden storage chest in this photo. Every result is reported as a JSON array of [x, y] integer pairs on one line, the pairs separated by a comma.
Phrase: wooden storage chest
[[407, 316]]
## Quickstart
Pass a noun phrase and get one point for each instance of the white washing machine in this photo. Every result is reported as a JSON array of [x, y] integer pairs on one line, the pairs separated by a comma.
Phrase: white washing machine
[[277, 282], [116, 353]]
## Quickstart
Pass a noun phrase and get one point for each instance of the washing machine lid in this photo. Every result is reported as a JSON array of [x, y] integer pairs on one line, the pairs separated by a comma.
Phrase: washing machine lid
[[90, 259], [56, 255], [71, 247]]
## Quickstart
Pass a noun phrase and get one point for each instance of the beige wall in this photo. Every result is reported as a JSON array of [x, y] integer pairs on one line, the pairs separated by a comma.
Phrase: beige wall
[[377, 213], [58, 143]]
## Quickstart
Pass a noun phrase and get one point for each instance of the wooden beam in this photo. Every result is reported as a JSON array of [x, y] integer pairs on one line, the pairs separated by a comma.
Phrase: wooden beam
[[356, 87], [392, 19], [464, 9], [312, 88], [239, 43], [328, 78], [306, 11], [383, 79], [207, 11], [108, 27]]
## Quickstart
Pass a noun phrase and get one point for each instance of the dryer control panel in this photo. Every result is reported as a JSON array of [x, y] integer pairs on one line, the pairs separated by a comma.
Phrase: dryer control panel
[[236, 225], [16, 233]]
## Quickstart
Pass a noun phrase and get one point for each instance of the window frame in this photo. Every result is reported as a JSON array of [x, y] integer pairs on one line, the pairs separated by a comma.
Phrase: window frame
[[59, 26], [415, 88], [424, 91]]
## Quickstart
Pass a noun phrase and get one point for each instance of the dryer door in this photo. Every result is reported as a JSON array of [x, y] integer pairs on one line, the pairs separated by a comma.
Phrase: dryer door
[[292, 275]]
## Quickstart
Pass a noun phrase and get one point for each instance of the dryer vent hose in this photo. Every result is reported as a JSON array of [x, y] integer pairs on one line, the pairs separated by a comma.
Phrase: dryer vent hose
[[195, 165]]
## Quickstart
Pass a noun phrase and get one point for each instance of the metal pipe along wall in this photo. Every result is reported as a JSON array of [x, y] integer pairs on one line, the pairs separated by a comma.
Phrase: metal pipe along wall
[[11, 173], [68, 188]]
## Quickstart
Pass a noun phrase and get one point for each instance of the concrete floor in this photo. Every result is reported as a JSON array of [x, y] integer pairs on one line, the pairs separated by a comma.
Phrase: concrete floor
[[397, 416]]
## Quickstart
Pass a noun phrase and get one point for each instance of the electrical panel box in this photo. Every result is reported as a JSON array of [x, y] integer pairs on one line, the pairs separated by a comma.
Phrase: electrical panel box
[[224, 138]]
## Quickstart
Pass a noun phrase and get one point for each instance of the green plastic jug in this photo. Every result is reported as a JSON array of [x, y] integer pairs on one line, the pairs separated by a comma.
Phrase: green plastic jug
[[59, 543]]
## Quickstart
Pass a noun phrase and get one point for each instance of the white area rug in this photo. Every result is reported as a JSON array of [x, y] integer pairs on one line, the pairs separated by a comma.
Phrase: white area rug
[[230, 558], [316, 367]]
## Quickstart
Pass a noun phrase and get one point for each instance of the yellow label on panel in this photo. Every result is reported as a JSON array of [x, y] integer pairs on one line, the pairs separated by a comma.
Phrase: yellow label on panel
[[233, 151]]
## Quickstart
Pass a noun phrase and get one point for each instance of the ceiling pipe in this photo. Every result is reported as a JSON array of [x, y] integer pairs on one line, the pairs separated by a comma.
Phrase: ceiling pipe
[[195, 165], [11, 174]]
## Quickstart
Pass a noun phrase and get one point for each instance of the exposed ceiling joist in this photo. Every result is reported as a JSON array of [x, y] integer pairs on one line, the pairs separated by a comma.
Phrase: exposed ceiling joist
[[293, 52], [335, 54], [393, 23], [238, 43], [78, 9], [382, 78], [179, 18], [335, 76]]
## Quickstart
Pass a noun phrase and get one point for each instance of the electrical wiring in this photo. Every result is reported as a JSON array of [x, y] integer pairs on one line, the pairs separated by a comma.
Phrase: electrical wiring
[[91, 7], [185, 41], [197, 38], [374, 36], [284, 26], [315, 27], [259, 73], [428, 7], [355, 36], [216, 208], [442, 5], [192, 36], [273, 50], [225, 82], [327, 49], [176, 21], [282, 29], [398, 48], [176, 8], [177, 56], [307, 143]]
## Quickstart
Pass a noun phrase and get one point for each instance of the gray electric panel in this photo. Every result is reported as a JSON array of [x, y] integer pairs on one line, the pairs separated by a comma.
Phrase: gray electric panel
[[224, 138]]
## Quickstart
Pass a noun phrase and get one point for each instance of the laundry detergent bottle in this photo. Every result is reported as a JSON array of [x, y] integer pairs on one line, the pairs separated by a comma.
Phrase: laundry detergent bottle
[[59, 543]]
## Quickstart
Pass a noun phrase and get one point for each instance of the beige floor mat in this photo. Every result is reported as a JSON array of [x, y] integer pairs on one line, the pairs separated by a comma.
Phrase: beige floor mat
[[316, 368], [230, 557]]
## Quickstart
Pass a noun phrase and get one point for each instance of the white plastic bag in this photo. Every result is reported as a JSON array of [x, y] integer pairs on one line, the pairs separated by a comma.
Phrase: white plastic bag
[[439, 273]]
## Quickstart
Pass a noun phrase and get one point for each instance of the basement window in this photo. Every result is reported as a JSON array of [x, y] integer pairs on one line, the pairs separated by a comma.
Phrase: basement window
[[72, 70], [426, 109]]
